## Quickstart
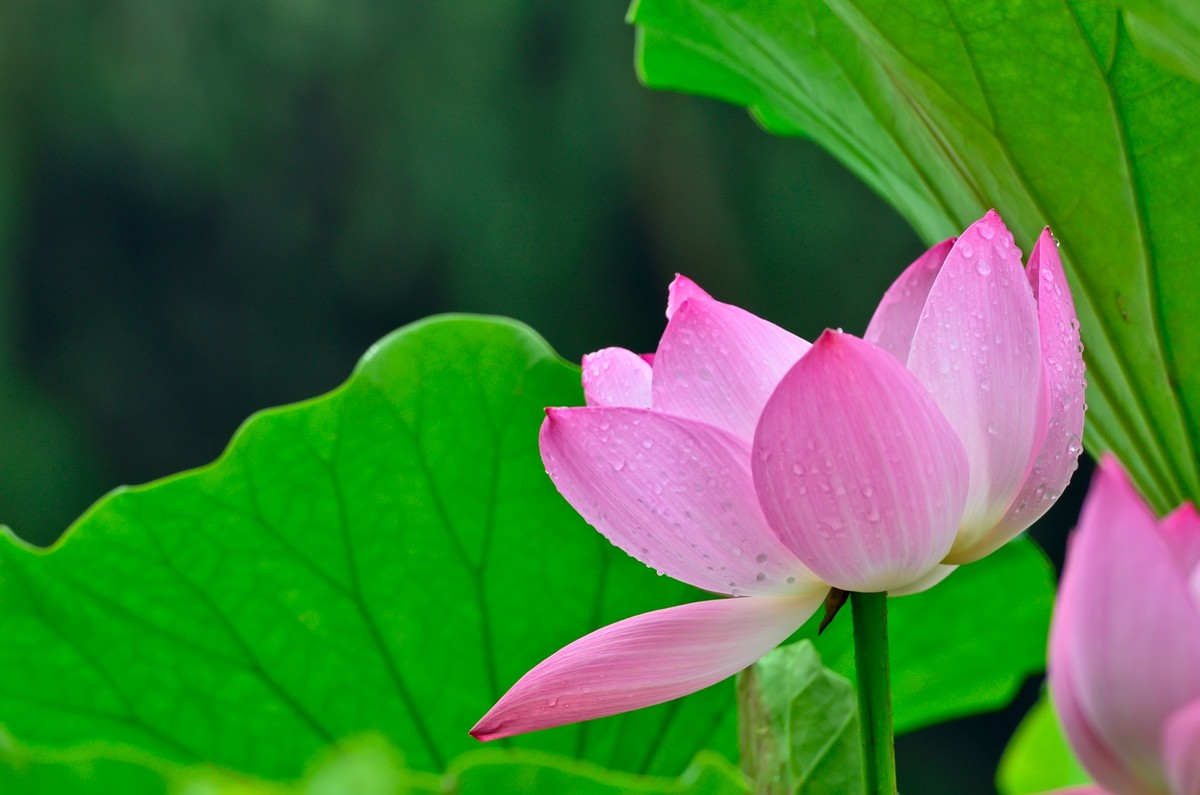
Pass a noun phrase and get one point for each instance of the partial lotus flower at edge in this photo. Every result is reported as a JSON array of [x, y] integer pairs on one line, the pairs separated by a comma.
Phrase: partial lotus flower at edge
[[745, 461], [1124, 667]]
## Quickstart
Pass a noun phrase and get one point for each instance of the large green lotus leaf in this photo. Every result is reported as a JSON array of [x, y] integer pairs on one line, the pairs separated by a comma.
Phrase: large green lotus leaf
[[361, 765], [798, 725], [1043, 109], [389, 557], [1038, 758], [964, 646]]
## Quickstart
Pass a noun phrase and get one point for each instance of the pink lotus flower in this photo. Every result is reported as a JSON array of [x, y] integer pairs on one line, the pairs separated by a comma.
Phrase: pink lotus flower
[[744, 461], [1125, 642]]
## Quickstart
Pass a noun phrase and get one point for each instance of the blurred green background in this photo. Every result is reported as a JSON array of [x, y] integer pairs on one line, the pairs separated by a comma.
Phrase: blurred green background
[[208, 208]]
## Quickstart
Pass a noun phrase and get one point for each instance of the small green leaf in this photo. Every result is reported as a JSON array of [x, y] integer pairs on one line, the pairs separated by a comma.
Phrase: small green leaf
[[389, 557], [1044, 110], [798, 723], [1038, 758], [964, 646]]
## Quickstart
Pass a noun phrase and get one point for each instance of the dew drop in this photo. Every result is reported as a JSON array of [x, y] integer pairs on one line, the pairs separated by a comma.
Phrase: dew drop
[[761, 558], [986, 231], [983, 266], [760, 577]]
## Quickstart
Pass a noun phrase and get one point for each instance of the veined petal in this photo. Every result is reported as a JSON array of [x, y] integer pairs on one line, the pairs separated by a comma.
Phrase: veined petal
[[616, 377], [645, 660], [1057, 456], [674, 493], [681, 289], [718, 363], [976, 351], [895, 320], [1129, 638], [1182, 750], [857, 470]]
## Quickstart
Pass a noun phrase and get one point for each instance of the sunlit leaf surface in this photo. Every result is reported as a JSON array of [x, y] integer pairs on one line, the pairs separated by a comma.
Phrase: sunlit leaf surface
[[389, 557]]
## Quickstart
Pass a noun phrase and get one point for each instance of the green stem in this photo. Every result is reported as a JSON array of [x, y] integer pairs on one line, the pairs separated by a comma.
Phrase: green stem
[[874, 691]]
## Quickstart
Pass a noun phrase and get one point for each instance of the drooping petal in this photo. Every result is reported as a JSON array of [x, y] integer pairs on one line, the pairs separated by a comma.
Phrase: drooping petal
[[645, 660], [718, 363], [895, 319], [616, 377], [976, 351], [1182, 750], [1129, 638], [857, 470], [681, 289], [1057, 456], [673, 493]]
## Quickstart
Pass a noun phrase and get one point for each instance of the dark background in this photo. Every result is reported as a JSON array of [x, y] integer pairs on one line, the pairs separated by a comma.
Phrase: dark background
[[208, 207]]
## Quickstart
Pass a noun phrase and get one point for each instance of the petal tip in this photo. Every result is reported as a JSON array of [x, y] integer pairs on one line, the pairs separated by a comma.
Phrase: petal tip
[[680, 290]]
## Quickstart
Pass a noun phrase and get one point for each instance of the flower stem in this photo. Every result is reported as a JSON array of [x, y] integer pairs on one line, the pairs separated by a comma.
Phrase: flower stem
[[874, 691]]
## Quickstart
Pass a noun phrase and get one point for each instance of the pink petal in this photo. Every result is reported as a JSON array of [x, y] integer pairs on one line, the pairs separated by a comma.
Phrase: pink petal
[[857, 470], [645, 660], [1092, 751], [1181, 530], [1182, 749], [1087, 790], [681, 289], [673, 493], [931, 579], [718, 363], [1129, 637], [616, 377], [895, 320], [1057, 456], [976, 351]]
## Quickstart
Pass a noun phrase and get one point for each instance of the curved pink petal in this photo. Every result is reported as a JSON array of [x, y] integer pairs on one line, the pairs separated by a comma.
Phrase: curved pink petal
[[1092, 751], [1087, 790], [681, 289], [976, 351], [673, 493], [895, 319], [931, 579], [1057, 456], [1129, 638], [718, 363], [645, 660], [1181, 746], [857, 470], [616, 377]]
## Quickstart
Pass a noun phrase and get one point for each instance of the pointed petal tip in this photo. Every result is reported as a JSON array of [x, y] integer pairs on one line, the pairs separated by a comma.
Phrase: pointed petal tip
[[483, 732], [680, 290]]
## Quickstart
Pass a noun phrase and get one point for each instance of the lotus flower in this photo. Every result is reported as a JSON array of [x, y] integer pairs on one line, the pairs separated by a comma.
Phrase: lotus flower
[[1125, 642], [742, 460]]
